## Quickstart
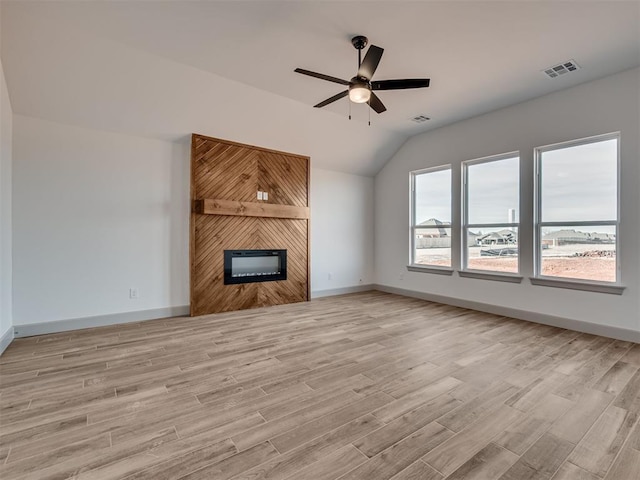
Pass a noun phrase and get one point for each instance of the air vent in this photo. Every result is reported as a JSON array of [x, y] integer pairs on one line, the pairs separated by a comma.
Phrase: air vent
[[420, 119], [561, 69]]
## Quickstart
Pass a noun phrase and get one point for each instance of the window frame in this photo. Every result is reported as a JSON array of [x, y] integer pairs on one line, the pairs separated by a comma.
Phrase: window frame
[[466, 226], [412, 221], [540, 279]]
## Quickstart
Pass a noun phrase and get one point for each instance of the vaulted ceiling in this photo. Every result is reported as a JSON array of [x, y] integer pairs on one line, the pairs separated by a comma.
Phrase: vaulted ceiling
[[166, 69]]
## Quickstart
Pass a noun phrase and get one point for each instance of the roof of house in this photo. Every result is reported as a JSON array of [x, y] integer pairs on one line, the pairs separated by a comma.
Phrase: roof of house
[[576, 234], [433, 222]]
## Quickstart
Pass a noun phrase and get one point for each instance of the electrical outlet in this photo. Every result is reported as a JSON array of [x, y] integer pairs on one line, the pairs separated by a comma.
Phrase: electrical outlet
[[133, 293]]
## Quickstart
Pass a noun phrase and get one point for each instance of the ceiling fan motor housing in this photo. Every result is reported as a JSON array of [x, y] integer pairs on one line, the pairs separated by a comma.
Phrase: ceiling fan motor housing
[[359, 82]]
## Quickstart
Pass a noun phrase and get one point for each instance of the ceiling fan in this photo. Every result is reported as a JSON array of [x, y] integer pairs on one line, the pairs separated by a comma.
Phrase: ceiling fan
[[361, 87]]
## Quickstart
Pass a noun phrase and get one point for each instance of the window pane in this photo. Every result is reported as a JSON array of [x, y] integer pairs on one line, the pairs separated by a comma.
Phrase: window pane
[[587, 253], [580, 183], [493, 249], [433, 197], [493, 191], [432, 247]]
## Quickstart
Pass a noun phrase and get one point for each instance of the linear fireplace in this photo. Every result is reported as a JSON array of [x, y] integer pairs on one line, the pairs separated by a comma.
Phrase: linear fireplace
[[247, 266]]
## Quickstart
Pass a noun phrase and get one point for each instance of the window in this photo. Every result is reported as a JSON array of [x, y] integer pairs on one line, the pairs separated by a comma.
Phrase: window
[[431, 217], [577, 209], [491, 209]]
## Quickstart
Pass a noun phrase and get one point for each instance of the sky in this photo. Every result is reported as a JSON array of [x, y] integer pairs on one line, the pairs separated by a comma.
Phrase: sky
[[493, 189], [433, 196], [578, 184]]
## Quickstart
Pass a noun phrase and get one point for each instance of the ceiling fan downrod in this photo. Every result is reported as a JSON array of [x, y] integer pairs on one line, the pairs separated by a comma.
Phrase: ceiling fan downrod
[[359, 42]]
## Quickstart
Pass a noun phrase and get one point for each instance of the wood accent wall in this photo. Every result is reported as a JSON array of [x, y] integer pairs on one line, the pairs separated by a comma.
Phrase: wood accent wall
[[226, 215]]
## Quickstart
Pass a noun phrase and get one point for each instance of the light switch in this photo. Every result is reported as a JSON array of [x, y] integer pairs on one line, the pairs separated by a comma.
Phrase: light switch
[[265, 196], [260, 196]]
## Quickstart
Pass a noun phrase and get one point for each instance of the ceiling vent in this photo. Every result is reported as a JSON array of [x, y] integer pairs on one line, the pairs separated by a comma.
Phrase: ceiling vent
[[420, 119], [561, 69]]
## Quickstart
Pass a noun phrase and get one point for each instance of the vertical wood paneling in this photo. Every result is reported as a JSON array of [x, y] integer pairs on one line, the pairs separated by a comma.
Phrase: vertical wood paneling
[[230, 171]]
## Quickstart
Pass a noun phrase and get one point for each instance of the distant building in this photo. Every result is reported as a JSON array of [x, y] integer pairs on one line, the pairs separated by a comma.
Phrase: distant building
[[433, 237], [502, 237], [567, 237], [439, 232], [440, 236]]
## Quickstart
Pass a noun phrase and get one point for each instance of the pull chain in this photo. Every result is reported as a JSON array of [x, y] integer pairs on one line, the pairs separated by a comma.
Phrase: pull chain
[[369, 102], [349, 109]]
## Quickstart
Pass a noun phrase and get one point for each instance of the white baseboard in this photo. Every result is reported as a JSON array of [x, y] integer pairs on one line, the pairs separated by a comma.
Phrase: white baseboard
[[341, 291], [6, 339], [29, 330], [577, 325]]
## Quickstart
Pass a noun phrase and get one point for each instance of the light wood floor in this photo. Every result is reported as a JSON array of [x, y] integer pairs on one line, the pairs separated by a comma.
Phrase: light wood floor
[[367, 386]]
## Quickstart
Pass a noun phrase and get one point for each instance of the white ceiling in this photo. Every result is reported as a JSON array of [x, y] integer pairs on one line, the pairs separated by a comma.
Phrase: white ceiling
[[145, 67]]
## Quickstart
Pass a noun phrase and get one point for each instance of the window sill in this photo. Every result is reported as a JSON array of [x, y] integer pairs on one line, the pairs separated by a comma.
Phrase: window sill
[[427, 269], [496, 277], [578, 285]]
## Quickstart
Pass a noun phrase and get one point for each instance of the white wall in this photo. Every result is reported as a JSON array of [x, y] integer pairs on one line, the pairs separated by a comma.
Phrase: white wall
[[97, 213], [6, 120], [341, 230], [602, 106]]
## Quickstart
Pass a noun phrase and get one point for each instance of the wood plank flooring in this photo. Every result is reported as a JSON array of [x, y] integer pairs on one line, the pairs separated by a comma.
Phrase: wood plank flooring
[[362, 387]]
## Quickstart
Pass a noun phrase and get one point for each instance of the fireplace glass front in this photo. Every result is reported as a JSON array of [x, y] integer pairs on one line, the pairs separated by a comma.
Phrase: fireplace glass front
[[247, 266]]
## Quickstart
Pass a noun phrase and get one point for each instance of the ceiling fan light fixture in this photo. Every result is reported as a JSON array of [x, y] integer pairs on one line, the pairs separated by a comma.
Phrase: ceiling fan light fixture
[[359, 94]]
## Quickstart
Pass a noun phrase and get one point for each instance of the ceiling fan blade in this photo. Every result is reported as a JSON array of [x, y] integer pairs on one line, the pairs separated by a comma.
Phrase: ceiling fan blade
[[322, 76], [332, 99], [376, 103], [370, 62], [400, 84]]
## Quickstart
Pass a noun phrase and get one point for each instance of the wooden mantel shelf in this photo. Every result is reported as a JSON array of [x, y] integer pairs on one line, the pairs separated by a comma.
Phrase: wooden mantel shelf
[[209, 206]]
